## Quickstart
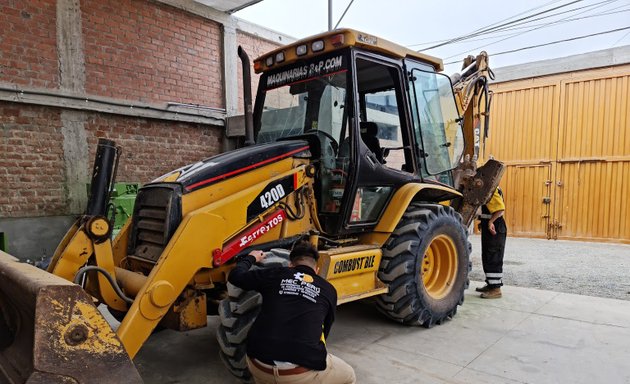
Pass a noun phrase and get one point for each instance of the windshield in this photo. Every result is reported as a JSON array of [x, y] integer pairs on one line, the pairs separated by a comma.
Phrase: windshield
[[295, 103], [437, 121]]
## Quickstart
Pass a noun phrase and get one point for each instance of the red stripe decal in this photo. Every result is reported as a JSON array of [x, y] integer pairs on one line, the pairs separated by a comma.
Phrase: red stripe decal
[[226, 175], [295, 181], [247, 238]]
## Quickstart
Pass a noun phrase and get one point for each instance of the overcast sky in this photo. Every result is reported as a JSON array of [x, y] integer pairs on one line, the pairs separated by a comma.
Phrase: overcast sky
[[413, 22]]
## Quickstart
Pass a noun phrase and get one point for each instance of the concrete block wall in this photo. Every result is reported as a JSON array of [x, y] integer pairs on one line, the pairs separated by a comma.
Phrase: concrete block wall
[[158, 77]]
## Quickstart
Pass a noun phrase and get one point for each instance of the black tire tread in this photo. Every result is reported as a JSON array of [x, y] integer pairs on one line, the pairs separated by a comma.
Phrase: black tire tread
[[399, 265], [237, 314]]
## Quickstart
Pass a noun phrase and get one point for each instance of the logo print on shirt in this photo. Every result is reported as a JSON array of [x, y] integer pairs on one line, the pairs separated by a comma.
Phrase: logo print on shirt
[[300, 285], [303, 277]]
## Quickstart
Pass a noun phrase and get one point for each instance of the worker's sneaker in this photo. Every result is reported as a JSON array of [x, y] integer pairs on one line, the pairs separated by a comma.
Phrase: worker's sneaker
[[485, 288], [492, 293]]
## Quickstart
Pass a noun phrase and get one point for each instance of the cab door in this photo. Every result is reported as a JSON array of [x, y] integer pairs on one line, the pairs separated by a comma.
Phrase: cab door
[[436, 123], [383, 139]]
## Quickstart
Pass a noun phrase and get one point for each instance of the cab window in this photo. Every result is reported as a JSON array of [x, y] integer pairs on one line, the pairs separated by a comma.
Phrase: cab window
[[436, 124]]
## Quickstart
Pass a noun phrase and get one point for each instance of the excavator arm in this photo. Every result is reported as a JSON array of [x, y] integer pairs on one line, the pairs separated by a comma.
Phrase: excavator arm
[[474, 100]]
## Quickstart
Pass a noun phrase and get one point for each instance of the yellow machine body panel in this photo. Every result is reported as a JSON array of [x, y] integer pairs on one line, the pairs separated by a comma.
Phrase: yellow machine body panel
[[197, 250], [399, 203], [352, 271]]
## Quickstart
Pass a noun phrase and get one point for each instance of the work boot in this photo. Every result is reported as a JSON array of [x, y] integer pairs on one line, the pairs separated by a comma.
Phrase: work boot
[[492, 293], [485, 288]]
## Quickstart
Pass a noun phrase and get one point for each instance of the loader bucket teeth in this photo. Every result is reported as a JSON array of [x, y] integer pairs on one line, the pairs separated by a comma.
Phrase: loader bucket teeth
[[51, 332]]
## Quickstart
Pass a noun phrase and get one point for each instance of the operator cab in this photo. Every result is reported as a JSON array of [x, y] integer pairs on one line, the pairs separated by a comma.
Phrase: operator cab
[[377, 116]]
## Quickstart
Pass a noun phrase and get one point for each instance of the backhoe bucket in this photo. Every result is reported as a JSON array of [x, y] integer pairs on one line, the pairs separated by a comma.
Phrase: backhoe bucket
[[51, 332]]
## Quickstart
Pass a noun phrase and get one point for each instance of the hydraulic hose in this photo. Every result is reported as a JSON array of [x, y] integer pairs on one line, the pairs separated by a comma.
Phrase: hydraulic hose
[[86, 269]]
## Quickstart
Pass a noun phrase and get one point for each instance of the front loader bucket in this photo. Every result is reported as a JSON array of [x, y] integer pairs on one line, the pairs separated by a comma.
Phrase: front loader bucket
[[51, 332]]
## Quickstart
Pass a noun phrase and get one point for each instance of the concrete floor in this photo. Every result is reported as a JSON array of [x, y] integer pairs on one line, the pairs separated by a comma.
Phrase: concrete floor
[[528, 336], [583, 268]]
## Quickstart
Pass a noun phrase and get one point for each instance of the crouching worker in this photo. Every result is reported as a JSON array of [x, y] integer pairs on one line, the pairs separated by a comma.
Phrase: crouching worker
[[286, 343]]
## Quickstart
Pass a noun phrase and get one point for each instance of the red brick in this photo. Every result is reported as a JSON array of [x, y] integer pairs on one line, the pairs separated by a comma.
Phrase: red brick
[[18, 34], [148, 148], [148, 37], [32, 136], [254, 47]]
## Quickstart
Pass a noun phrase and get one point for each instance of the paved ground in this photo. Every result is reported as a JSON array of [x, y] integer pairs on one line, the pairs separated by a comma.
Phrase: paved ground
[[528, 336], [593, 269]]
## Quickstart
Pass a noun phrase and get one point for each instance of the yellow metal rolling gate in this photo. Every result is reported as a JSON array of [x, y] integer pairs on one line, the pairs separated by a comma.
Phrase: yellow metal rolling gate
[[566, 142]]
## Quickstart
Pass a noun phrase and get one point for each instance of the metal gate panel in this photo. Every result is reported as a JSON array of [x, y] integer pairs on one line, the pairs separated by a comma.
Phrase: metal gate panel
[[527, 190], [523, 122], [593, 179], [593, 201], [595, 118]]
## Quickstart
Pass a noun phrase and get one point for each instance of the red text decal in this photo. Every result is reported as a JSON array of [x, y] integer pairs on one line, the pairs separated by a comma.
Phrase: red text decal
[[249, 236]]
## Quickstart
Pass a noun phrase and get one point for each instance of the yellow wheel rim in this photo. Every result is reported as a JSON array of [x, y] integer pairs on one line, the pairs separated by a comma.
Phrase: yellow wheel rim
[[439, 267]]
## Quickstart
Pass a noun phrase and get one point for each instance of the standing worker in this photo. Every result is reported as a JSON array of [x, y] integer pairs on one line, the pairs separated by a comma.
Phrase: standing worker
[[287, 343], [493, 234]]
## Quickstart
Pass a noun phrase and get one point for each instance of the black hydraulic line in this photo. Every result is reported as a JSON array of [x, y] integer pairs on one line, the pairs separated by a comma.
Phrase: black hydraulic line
[[112, 282], [247, 97]]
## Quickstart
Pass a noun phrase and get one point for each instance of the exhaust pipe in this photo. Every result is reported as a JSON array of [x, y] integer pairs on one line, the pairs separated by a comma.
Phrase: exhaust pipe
[[247, 97], [103, 175]]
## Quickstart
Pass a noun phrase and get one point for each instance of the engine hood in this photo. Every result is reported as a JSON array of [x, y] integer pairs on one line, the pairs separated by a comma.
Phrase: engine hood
[[229, 164]]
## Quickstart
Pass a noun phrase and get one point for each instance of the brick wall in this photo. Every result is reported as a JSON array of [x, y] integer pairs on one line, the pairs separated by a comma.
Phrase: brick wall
[[255, 47], [135, 50], [31, 161], [32, 177], [147, 51], [28, 51], [150, 147]]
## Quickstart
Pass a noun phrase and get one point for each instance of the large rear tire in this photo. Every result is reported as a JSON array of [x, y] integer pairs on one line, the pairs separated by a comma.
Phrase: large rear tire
[[425, 263], [237, 314]]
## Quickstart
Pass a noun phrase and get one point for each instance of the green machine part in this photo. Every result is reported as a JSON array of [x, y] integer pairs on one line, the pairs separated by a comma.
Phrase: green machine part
[[122, 201]]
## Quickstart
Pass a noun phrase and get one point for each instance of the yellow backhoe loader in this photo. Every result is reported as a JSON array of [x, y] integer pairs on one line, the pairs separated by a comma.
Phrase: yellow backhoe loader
[[355, 143]]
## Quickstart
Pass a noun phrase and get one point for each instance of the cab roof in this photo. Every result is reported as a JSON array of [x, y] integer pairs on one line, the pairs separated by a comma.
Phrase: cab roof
[[341, 38]]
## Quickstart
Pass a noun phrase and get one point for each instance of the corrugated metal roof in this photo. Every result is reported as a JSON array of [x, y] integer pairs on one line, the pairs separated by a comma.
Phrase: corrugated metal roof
[[596, 59]]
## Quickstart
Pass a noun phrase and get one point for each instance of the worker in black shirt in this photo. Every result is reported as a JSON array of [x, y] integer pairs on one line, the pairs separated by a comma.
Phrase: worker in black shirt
[[287, 343]]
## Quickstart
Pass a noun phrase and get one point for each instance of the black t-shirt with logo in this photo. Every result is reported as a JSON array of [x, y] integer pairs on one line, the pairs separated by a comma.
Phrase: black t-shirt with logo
[[297, 312]]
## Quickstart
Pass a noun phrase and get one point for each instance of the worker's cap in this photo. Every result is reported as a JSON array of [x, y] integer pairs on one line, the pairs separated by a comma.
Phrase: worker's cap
[[303, 249]]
